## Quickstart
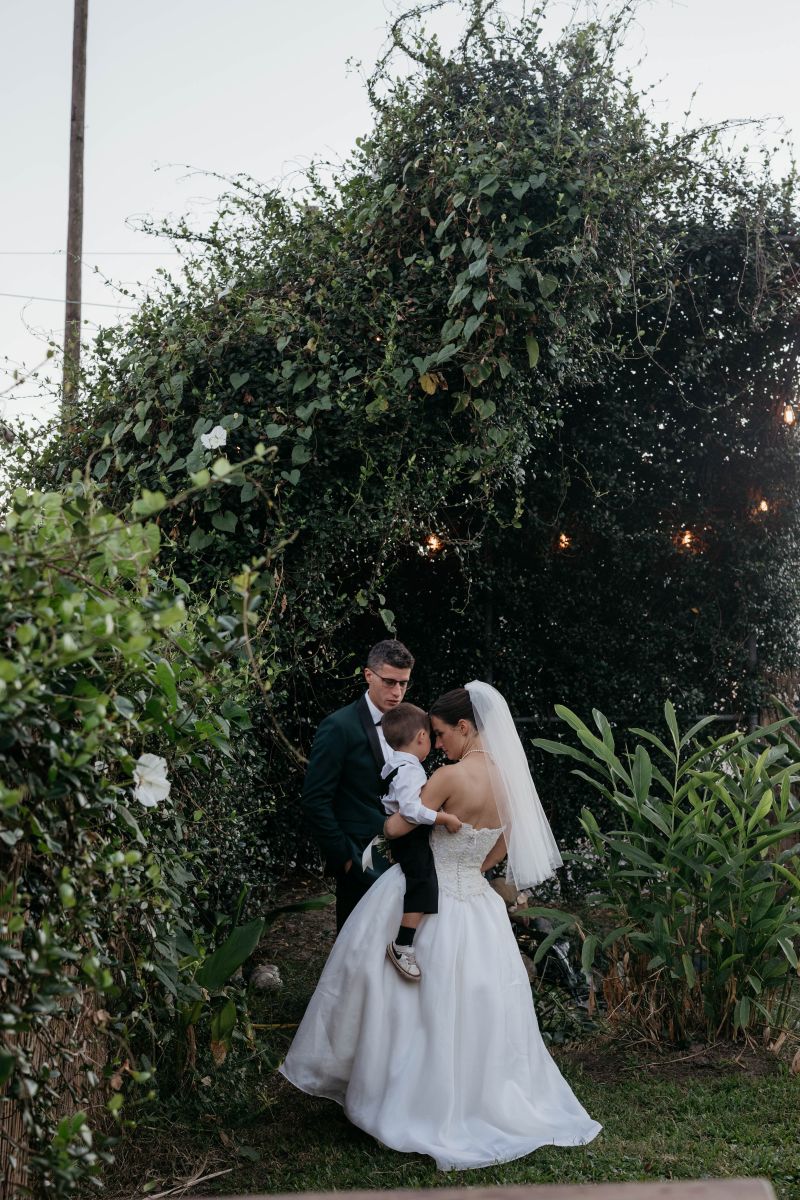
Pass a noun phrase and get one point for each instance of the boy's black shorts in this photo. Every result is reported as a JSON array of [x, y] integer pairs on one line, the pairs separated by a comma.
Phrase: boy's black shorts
[[415, 857]]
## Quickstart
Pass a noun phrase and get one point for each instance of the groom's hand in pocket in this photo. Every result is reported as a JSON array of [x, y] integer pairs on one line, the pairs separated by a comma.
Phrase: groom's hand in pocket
[[347, 866]]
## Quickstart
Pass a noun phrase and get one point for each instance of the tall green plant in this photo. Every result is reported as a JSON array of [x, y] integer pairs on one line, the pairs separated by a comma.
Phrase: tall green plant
[[702, 870]]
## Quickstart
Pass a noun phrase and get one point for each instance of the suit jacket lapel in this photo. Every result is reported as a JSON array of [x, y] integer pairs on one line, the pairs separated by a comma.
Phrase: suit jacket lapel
[[365, 717]]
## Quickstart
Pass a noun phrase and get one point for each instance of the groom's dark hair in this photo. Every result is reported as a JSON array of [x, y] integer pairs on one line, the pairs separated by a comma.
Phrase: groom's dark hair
[[391, 652], [402, 723]]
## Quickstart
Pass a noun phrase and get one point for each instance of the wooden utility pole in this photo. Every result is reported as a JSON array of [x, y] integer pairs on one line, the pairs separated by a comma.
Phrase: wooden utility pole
[[72, 320]]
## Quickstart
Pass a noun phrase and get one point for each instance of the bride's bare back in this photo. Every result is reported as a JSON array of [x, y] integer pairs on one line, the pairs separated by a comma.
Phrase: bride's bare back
[[464, 788]]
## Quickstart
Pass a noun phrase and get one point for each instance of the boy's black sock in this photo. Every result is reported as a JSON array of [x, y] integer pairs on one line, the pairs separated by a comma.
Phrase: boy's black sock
[[405, 936]]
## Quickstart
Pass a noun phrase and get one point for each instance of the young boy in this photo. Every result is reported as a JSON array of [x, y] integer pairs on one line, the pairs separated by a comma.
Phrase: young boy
[[408, 732]]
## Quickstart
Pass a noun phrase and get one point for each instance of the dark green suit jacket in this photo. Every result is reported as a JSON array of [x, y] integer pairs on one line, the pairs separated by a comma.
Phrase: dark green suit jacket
[[342, 789]]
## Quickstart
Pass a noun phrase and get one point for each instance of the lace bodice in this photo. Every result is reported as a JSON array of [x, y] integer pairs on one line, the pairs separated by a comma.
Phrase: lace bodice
[[458, 858]]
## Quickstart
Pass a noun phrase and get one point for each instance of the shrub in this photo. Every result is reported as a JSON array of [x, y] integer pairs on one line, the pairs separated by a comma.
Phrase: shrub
[[702, 872], [106, 908]]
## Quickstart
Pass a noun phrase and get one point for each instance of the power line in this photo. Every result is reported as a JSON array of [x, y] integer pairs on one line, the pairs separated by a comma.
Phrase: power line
[[35, 395], [61, 300], [91, 253]]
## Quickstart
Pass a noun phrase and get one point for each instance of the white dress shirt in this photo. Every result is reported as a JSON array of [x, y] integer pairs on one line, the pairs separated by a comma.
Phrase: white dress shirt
[[377, 717], [404, 789]]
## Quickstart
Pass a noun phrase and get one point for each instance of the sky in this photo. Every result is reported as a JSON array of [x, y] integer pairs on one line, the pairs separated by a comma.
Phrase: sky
[[178, 88]]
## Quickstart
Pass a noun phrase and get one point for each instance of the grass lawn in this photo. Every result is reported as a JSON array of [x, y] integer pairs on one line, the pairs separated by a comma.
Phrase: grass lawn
[[680, 1114]]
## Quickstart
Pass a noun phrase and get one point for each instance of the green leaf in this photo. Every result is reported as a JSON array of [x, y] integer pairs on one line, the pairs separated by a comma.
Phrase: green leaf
[[672, 722], [304, 380], [226, 521], [641, 774], [470, 325], [532, 347], [688, 970], [238, 381], [741, 1013], [764, 806], [547, 285], [788, 949], [223, 1022], [564, 749], [588, 952], [166, 681], [173, 615], [318, 902], [7, 1065], [130, 821], [226, 960], [301, 454], [548, 942], [149, 503]]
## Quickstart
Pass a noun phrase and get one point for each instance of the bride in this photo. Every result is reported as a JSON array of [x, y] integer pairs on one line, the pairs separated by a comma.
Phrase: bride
[[455, 1067]]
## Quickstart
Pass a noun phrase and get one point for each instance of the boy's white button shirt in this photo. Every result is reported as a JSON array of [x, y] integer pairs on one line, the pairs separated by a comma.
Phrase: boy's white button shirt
[[403, 794]]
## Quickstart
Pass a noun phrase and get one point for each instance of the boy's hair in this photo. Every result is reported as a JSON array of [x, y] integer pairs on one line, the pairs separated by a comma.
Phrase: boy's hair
[[402, 723]]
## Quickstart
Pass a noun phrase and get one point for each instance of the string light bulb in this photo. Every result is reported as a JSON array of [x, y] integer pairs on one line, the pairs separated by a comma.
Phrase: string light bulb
[[687, 539], [789, 415], [433, 542], [564, 541], [763, 506]]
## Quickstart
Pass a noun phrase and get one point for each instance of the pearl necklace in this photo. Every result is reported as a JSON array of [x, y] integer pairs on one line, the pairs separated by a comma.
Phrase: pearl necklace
[[476, 750]]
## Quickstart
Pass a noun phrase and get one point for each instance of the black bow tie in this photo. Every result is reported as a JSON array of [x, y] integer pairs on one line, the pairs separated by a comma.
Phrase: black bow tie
[[379, 723]]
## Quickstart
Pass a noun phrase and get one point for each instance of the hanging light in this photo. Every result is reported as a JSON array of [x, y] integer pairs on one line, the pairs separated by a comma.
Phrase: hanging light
[[564, 541], [789, 415], [691, 541], [763, 506], [433, 543]]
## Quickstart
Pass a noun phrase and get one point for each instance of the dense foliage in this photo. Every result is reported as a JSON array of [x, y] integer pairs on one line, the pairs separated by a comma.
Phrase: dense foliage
[[700, 877], [658, 548], [109, 885], [473, 333]]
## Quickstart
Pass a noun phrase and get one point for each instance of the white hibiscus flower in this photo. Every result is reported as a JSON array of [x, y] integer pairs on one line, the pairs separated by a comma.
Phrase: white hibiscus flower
[[151, 785], [215, 439]]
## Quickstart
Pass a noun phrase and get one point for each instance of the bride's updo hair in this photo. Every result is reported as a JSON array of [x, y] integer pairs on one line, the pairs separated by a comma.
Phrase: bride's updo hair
[[453, 707]]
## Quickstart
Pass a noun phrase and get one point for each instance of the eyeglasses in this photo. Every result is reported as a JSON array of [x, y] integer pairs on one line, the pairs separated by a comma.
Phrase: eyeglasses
[[403, 684]]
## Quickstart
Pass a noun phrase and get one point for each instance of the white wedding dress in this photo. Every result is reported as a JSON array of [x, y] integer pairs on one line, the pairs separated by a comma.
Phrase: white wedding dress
[[455, 1066]]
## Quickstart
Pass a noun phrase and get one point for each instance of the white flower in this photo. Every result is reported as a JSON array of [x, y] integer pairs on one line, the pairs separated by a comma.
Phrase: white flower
[[151, 785], [216, 438]]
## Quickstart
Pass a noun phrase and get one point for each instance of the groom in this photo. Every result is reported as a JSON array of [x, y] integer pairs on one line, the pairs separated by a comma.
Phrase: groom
[[343, 785]]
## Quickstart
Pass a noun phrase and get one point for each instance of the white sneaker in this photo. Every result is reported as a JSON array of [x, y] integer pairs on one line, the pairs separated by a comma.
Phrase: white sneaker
[[404, 960]]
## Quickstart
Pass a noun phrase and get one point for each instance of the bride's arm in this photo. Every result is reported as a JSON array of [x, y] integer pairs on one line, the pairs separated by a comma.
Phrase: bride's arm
[[433, 795], [496, 854]]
